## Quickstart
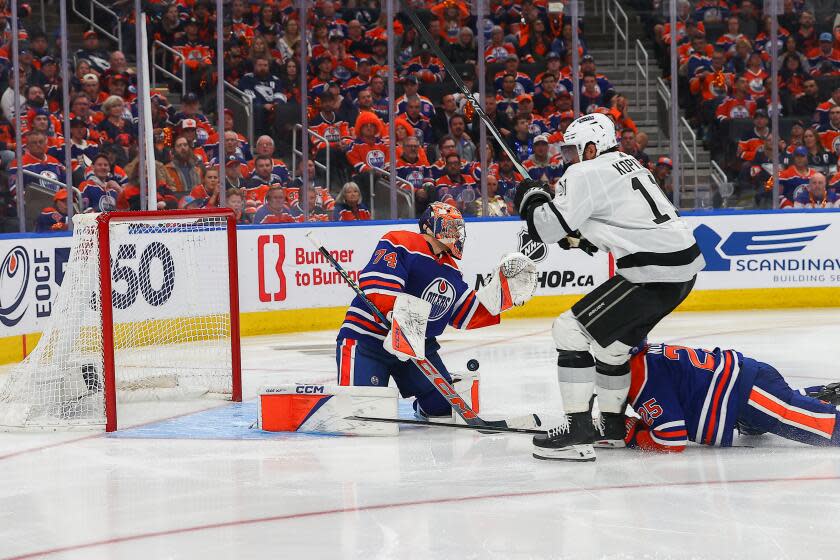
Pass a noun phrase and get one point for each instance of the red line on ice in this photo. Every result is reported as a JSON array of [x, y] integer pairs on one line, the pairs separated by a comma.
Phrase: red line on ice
[[396, 505]]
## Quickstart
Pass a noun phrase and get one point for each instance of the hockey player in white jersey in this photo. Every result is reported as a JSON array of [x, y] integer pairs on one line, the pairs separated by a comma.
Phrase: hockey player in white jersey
[[606, 200]]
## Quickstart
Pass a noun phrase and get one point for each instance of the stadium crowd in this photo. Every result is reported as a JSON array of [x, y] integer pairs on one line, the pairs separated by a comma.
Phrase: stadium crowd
[[723, 71]]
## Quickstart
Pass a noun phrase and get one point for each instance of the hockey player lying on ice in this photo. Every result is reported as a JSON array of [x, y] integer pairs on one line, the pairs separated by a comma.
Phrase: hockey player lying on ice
[[688, 394], [419, 272]]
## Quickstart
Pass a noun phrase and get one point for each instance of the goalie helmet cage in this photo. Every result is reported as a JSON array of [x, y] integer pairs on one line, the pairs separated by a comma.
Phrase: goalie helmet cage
[[148, 309]]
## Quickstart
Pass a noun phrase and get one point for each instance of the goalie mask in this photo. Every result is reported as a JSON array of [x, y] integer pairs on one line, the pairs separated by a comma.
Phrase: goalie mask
[[594, 129], [445, 223]]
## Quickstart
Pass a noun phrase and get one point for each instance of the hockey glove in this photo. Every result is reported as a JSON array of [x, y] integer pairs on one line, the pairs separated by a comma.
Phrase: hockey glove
[[513, 283], [576, 241], [530, 194]]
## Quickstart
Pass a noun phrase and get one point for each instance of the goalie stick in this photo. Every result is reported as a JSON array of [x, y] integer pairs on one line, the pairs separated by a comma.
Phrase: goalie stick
[[453, 73], [483, 429], [428, 369]]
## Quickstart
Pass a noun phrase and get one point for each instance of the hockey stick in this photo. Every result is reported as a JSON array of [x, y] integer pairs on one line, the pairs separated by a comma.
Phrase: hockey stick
[[482, 429], [450, 69], [425, 366]]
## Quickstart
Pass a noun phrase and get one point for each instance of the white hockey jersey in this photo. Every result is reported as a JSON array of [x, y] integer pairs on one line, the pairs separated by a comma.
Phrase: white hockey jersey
[[616, 204]]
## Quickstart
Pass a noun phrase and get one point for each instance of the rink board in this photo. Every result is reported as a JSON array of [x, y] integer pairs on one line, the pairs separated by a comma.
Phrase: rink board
[[760, 259]]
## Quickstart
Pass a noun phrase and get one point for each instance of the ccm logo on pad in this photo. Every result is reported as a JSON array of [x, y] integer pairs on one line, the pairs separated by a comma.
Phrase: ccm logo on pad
[[309, 389]]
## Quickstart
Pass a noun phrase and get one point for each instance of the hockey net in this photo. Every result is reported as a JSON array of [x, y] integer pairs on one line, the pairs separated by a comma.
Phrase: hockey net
[[148, 310]]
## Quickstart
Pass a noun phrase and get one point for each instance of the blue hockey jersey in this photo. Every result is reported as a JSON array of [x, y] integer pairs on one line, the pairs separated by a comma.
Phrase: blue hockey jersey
[[684, 394], [404, 262]]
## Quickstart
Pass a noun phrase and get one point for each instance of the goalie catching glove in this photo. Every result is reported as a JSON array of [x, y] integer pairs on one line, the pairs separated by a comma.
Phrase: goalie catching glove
[[513, 283], [407, 337]]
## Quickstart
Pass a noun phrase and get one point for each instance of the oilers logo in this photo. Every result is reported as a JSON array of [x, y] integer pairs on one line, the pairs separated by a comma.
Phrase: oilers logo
[[14, 278], [376, 158], [416, 178], [441, 294]]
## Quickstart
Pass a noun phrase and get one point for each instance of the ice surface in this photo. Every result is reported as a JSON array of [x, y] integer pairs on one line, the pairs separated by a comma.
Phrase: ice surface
[[192, 488]]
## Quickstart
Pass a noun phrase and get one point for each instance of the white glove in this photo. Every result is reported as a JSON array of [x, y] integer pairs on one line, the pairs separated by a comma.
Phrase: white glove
[[407, 337], [513, 283]]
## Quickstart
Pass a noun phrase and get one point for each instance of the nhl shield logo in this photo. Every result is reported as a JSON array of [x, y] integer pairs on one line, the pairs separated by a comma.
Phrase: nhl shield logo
[[534, 250]]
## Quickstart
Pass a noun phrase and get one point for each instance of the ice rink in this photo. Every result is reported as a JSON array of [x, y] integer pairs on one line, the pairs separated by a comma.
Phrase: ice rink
[[194, 487]]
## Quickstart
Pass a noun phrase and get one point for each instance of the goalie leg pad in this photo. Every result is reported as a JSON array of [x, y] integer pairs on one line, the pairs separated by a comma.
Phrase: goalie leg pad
[[467, 386], [407, 337], [325, 408]]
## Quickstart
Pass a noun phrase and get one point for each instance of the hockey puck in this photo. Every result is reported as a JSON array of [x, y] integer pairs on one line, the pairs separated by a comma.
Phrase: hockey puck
[[472, 365]]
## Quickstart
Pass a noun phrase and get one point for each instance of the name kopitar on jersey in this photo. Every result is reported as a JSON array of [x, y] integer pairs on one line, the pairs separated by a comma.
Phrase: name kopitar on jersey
[[627, 165], [441, 294], [549, 279]]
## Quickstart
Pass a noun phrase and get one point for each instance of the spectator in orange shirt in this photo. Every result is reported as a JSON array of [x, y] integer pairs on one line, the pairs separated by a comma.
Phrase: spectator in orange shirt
[[275, 210], [348, 204], [208, 191], [184, 171]]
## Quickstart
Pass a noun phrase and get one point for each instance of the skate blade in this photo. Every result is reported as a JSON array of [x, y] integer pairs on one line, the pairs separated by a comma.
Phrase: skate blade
[[571, 453], [609, 444]]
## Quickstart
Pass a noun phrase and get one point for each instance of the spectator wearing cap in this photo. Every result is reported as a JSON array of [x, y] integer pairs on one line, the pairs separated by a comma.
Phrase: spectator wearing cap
[[525, 108], [753, 139], [498, 49], [233, 173], [522, 81], [411, 88], [427, 69], [662, 174], [266, 93], [190, 109], [118, 85], [36, 160], [115, 127], [52, 83], [100, 190], [813, 195], [275, 210], [825, 52], [39, 120], [188, 128], [93, 53], [360, 81], [541, 166], [92, 88], [185, 170], [797, 174], [53, 218]]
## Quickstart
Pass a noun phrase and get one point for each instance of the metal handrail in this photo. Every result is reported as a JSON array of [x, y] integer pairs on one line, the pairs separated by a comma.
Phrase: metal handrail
[[247, 104], [101, 8], [163, 70], [317, 136], [614, 16], [663, 93], [691, 154], [77, 194], [44, 179], [644, 71], [408, 197], [720, 180]]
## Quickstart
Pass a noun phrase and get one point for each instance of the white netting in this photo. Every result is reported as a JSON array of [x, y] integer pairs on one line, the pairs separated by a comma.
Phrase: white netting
[[171, 299]]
